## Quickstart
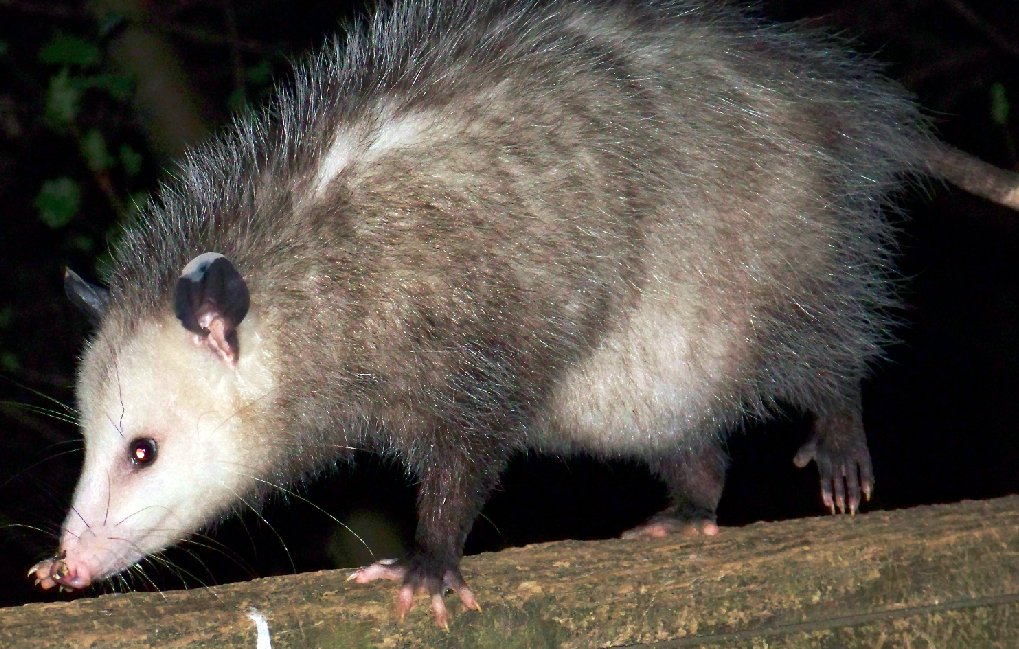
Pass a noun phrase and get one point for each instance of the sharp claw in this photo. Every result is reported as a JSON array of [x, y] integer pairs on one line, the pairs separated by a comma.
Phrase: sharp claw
[[416, 580], [404, 601], [468, 599], [827, 498], [38, 566], [440, 611]]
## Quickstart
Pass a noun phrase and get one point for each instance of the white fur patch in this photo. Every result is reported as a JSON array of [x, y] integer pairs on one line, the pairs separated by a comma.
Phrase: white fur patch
[[394, 134], [197, 265], [646, 385], [336, 159]]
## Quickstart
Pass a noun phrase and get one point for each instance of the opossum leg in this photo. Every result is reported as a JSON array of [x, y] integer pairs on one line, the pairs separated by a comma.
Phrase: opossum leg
[[420, 574], [695, 478], [452, 490], [839, 446]]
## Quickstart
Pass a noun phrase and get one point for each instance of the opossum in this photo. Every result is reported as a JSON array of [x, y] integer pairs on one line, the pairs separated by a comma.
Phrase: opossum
[[475, 228]]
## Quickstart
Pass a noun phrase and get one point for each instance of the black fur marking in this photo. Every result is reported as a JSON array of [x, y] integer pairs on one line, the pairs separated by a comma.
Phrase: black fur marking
[[90, 299], [214, 289]]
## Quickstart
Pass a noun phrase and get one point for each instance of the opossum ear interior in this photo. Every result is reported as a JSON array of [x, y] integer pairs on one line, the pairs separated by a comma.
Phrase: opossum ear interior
[[211, 299], [90, 299]]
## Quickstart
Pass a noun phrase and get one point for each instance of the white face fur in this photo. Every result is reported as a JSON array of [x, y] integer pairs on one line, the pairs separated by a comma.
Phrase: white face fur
[[165, 424]]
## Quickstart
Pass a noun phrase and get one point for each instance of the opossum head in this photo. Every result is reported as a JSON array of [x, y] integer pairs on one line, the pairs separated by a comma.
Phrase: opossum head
[[168, 404]]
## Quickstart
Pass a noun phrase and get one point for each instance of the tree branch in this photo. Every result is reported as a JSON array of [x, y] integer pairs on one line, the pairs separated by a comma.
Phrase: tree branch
[[930, 576]]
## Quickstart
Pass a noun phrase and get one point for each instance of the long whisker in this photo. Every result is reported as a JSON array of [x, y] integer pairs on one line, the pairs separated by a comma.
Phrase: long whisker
[[136, 512], [109, 495], [237, 412], [121, 580], [298, 496], [140, 571], [34, 528], [120, 396], [77, 442], [42, 395], [162, 560], [257, 513], [78, 514], [41, 410], [219, 548], [247, 531]]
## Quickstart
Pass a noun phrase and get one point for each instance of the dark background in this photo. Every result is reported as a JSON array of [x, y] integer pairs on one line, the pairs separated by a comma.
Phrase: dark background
[[75, 151]]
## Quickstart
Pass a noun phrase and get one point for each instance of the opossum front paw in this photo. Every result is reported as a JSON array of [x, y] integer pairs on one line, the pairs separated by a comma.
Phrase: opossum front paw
[[45, 573], [847, 476], [56, 571], [671, 523], [420, 574]]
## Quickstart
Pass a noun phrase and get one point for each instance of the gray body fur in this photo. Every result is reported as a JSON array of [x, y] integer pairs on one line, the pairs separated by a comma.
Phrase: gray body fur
[[579, 176], [477, 228]]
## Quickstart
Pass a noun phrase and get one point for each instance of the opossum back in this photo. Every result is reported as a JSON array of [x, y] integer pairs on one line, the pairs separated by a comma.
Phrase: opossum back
[[571, 204]]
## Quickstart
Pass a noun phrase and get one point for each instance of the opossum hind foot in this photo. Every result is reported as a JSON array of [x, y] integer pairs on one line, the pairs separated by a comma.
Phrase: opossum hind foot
[[839, 446], [695, 477], [420, 575], [672, 522]]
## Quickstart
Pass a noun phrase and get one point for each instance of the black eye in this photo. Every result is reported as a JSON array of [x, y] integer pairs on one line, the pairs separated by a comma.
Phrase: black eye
[[142, 451]]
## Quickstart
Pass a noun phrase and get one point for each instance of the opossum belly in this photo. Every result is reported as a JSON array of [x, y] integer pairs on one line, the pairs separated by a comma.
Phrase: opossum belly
[[647, 389], [656, 390]]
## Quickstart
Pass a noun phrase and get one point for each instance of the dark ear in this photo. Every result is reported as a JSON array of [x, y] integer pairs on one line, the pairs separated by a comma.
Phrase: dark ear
[[210, 301], [90, 299]]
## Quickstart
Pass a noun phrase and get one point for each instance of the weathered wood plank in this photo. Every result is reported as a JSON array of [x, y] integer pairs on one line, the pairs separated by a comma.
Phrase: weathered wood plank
[[941, 576]]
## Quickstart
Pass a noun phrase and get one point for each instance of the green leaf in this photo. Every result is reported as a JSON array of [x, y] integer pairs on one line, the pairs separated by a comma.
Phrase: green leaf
[[69, 50], [93, 147], [3, 48], [58, 201], [62, 97], [1000, 107], [130, 160], [6, 317], [119, 86]]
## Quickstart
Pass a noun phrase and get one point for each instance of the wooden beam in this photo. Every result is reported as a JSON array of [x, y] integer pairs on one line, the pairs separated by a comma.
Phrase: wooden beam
[[938, 576]]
